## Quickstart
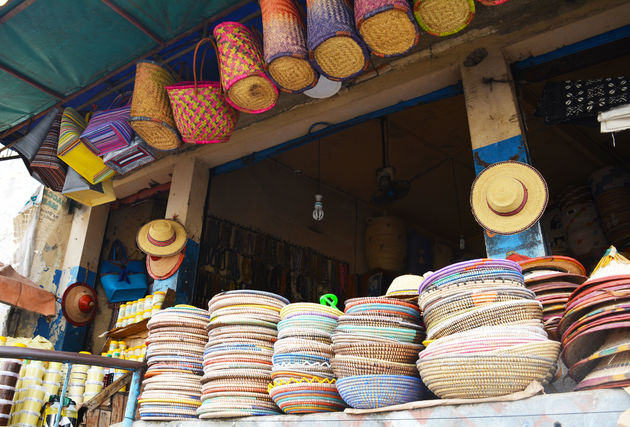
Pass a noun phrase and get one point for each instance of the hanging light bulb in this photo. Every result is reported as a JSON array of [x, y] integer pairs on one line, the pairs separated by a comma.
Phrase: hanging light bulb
[[3, 2], [318, 212], [462, 243]]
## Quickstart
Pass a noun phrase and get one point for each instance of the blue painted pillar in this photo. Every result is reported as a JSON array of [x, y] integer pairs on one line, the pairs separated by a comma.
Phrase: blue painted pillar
[[497, 135], [186, 204], [80, 264]]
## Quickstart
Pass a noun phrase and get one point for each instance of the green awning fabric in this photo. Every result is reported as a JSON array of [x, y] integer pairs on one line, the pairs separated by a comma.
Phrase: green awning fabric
[[67, 45]]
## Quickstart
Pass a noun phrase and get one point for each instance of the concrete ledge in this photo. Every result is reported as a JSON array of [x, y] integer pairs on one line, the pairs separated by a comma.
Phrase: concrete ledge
[[584, 408]]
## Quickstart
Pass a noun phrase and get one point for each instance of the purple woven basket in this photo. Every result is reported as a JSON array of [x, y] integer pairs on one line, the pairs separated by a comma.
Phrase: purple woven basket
[[335, 48]]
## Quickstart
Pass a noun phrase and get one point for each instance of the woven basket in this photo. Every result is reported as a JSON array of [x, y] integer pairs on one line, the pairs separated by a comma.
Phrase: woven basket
[[398, 334], [226, 299], [385, 243], [306, 397], [429, 296], [392, 352], [309, 308], [444, 17], [492, 2], [310, 334], [377, 391], [347, 366], [285, 49], [387, 26], [335, 49], [247, 88], [201, 113], [151, 114], [247, 312], [291, 345]]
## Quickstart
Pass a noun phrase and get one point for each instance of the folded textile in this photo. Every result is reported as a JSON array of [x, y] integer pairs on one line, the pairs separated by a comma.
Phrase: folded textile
[[615, 119]]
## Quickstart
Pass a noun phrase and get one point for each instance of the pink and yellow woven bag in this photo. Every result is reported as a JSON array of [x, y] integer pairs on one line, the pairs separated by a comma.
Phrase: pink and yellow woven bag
[[247, 88], [201, 112]]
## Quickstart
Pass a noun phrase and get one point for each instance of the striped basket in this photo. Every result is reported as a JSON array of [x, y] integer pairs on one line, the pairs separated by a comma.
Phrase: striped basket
[[247, 88], [335, 48], [444, 17], [77, 152], [151, 114], [201, 113], [46, 164], [109, 130], [285, 46], [377, 391], [387, 26], [137, 154]]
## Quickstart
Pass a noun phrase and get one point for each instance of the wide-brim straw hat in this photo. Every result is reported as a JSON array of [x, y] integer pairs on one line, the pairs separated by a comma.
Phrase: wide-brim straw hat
[[161, 237], [163, 267], [611, 371], [616, 342], [585, 343], [508, 197], [606, 313], [559, 263]]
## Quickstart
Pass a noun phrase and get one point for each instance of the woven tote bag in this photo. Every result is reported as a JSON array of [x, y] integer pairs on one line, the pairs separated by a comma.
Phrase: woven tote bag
[[284, 40], [335, 48], [387, 26], [50, 169], [443, 17], [109, 130], [133, 156], [151, 115], [77, 152], [201, 112], [247, 88], [78, 189]]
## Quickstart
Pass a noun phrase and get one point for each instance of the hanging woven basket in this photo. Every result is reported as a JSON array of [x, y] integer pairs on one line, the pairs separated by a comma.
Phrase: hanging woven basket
[[247, 88], [387, 26], [335, 48], [444, 17], [151, 114], [285, 49]]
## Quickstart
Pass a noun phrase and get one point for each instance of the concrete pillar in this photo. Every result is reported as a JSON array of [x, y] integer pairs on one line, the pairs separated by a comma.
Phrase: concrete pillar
[[80, 264], [497, 135], [186, 202]]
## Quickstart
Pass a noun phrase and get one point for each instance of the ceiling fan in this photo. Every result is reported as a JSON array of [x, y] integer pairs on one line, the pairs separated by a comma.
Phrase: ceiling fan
[[388, 189]]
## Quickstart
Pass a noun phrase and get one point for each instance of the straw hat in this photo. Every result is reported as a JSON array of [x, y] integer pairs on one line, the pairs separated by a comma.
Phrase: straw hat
[[617, 342], [163, 267], [162, 237], [563, 264], [407, 284], [508, 197]]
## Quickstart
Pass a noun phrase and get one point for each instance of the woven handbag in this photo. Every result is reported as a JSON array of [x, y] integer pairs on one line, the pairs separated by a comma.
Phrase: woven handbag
[[80, 190], [109, 130], [77, 152], [50, 169], [443, 17], [151, 114], [247, 88], [285, 49], [335, 48], [201, 113], [387, 26], [126, 159]]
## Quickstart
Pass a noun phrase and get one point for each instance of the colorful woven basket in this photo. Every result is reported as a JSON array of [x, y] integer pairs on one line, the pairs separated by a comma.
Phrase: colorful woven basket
[[247, 88], [377, 391], [133, 156], [302, 397], [335, 49], [387, 26], [109, 130], [285, 49], [201, 113], [77, 152], [151, 113], [444, 17], [46, 164]]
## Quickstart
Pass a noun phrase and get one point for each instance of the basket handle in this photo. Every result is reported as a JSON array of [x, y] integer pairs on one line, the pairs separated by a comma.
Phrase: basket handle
[[202, 41]]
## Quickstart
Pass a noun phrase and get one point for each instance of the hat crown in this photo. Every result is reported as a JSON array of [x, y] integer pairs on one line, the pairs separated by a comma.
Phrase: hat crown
[[505, 194], [161, 231]]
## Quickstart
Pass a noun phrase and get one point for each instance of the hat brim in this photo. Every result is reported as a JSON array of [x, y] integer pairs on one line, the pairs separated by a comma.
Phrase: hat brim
[[584, 366], [563, 264], [537, 197], [161, 268], [163, 251]]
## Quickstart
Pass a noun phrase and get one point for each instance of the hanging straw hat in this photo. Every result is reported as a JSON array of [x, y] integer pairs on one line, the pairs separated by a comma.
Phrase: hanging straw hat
[[508, 197], [163, 267], [161, 237]]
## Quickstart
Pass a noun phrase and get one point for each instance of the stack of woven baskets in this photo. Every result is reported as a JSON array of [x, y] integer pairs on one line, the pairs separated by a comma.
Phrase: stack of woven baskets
[[484, 330], [238, 354], [303, 380], [552, 278], [376, 345], [611, 190], [172, 384]]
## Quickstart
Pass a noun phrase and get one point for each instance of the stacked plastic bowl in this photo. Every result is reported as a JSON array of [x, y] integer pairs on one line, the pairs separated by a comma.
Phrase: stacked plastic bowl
[[238, 354], [376, 345], [29, 397], [172, 383], [485, 332], [303, 379]]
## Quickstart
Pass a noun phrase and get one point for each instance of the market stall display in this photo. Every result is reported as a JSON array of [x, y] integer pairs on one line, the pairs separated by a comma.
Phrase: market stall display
[[302, 377], [485, 332], [238, 355]]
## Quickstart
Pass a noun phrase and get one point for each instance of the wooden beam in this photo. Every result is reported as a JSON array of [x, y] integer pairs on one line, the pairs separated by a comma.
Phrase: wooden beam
[[134, 21], [108, 392], [15, 73], [17, 9]]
